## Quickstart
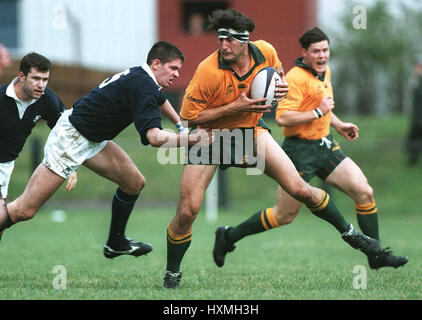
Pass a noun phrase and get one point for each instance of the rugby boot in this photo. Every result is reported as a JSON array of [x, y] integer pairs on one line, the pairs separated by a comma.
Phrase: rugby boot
[[387, 259], [172, 279], [221, 246], [369, 246], [126, 247]]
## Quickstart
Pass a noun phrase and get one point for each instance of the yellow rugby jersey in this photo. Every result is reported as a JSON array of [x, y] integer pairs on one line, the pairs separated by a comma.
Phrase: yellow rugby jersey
[[305, 93], [214, 84]]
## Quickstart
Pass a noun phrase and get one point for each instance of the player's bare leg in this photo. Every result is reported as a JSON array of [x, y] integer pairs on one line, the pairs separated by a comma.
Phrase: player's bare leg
[[286, 208], [41, 186], [3, 213], [195, 180], [324, 208], [114, 164], [278, 166], [294, 190], [350, 179]]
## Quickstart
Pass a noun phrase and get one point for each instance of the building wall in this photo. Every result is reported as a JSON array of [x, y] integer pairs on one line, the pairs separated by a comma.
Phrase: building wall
[[279, 22], [108, 35], [90, 40]]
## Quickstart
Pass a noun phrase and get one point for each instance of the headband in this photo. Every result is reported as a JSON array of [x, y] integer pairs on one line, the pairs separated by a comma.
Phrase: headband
[[223, 33]]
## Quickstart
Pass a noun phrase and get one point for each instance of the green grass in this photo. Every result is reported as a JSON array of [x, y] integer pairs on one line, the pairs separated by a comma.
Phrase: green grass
[[305, 260]]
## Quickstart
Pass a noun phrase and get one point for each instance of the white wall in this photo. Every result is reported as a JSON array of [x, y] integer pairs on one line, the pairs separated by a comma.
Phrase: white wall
[[114, 34]]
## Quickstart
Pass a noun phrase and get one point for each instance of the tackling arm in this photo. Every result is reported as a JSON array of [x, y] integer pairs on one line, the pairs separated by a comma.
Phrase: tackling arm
[[158, 138], [171, 114]]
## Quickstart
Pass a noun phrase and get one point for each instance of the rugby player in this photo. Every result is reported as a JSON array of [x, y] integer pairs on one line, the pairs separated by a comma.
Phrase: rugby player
[[23, 103], [217, 98], [306, 116], [83, 135]]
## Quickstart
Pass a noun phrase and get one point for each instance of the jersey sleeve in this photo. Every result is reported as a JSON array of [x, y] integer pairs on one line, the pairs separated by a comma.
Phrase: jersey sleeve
[[199, 93], [161, 98], [145, 109], [294, 97], [55, 108], [273, 56], [270, 54]]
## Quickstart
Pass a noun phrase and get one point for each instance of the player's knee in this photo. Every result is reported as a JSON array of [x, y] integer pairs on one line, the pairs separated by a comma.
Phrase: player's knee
[[136, 184], [187, 212], [365, 195], [25, 214], [301, 192], [141, 183]]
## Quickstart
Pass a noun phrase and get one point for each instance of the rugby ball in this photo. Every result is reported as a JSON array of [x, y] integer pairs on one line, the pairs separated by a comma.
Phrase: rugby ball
[[263, 85]]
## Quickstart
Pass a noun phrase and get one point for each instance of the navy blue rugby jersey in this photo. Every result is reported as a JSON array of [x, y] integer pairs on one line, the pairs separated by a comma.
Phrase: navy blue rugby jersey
[[129, 96], [15, 131]]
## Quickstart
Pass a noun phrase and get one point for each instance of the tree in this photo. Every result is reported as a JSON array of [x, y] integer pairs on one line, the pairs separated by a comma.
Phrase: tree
[[372, 53]]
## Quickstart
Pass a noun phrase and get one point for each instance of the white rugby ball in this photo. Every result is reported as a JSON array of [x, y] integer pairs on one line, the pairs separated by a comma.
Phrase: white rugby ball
[[263, 85]]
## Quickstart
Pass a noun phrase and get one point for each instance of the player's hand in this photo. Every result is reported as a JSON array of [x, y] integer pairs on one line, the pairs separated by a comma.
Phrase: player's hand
[[326, 104], [202, 136], [5, 60], [348, 130], [281, 90], [71, 181], [246, 104]]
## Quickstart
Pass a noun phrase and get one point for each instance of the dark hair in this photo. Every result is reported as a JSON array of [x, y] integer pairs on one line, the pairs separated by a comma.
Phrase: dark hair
[[34, 60], [230, 18], [312, 36], [165, 52]]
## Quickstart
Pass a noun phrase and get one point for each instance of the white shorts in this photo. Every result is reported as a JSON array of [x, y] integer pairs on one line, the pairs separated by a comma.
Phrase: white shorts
[[6, 169], [66, 149]]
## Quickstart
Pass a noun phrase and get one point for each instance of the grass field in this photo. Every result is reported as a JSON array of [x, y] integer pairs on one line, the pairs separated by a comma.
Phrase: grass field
[[305, 260]]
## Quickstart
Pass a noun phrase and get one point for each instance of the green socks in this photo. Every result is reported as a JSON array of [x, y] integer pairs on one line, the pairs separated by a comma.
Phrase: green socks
[[176, 249], [259, 222], [327, 210], [368, 219]]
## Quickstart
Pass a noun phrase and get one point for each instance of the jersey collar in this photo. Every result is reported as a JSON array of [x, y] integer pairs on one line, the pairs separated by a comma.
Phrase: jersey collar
[[299, 63], [10, 92], [148, 70], [256, 54]]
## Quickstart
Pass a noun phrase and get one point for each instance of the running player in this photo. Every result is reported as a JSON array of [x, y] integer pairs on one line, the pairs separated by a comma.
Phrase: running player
[[217, 98], [23, 103], [306, 115], [83, 135]]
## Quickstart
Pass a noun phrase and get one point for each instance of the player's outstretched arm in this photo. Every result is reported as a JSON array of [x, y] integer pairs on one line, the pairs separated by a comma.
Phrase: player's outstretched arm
[[158, 138], [171, 114]]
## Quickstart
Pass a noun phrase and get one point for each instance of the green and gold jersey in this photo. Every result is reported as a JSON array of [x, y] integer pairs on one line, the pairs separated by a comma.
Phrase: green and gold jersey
[[214, 84], [306, 90]]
